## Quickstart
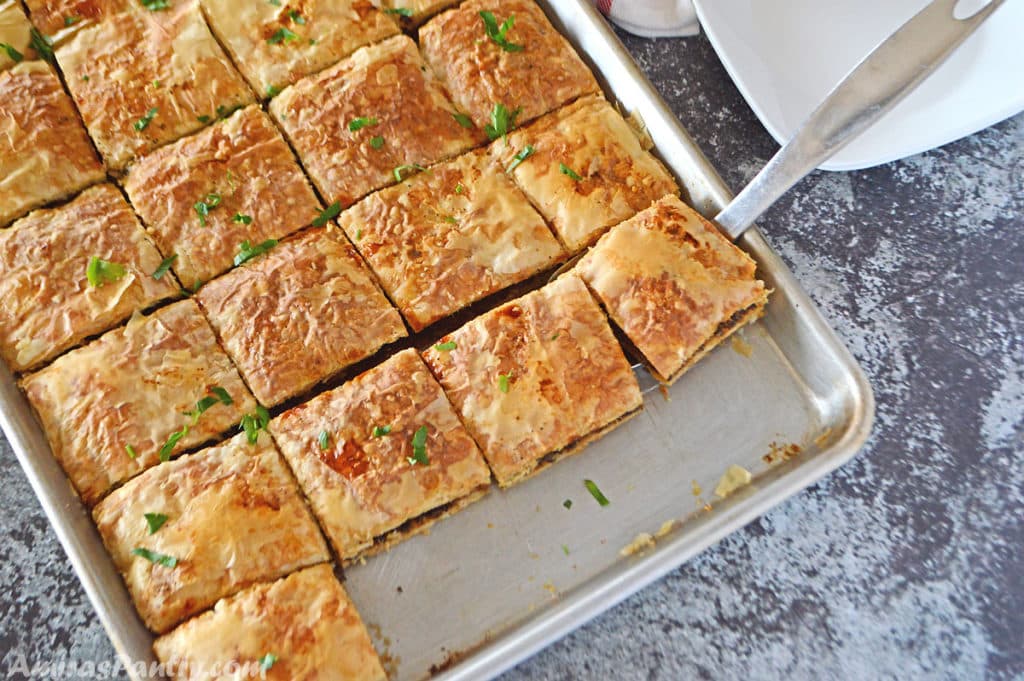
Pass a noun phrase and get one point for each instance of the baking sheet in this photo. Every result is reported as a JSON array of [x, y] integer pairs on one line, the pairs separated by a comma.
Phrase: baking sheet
[[517, 570]]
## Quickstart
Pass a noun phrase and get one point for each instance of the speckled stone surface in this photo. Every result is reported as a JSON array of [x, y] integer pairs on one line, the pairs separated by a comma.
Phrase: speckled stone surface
[[908, 562]]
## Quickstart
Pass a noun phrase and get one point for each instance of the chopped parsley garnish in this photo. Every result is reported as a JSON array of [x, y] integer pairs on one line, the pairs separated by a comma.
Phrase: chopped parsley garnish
[[596, 492], [165, 451], [275, 3], [450, 219], [332, 211], [222, 395], [156, 83], [357, 124], [154, 557], [565, 549], [459, 188], [296, 17], [243, 219], [502, 120], [359, 234], [155, 5], [324, 439], [526, 153], [252, 424], [12, 53], [401, 170], [247, 252], [419, 447], [377, 142], [380, 431], [43, 45], [144, 122], [445, 347], [225, 111], [273, 90], [267, 661], [204, 207], [155, 521], [282, 35], [567, 503], [499, 34], [555, 335], [71, 20], [400, 11], [566, 170], [503, 382], [100, 271], [463, 120], [132, 454], [203, 119]]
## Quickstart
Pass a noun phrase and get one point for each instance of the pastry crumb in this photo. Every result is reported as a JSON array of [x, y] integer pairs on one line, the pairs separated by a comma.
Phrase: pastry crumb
[[741, 346], [642, 542], [734, 478]]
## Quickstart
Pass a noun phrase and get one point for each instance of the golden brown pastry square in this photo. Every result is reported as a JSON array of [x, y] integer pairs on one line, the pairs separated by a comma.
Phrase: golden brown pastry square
[[45, 154], [381, 457], [450, 236], [300, 314], [529, 68], [247, 181], [134, 397], [207, 525], [71, 272], [374, 115], [142, 80], [59, 19], [536, 378], [15, 35], [301, 627], [673, 284], [276, 44], [587, 172]]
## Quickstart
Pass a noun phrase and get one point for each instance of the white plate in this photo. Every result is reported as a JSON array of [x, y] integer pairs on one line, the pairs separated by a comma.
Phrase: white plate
[[786, 55]]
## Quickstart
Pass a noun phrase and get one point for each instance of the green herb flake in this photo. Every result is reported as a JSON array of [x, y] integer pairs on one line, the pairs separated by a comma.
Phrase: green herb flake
[[459, 188], [222, 395], [155, 5], [419, 447], [526, 153], [275, 3], [380, 431], [359, 234], [165, 451], [567, 503], [14, 55], [85, 78], [154, 557], [203, 119], [499, 34], [324, 439], [445, 347], [555, 335], [377, 142], [144, 122], [463, 120], [565, 549], [401, 170], [273, 91], [357, 124], [296, 17], [400, 11], [503, 382], [596, 492], [225, 111], [100, 271], [332, 211], [267, 661], [71, 20], [132, 454], [502, 120], [43, 45], [282, 35], [450, 219], [566, 170], [155, 521], [242, 219], [247, 252], [252, 424]]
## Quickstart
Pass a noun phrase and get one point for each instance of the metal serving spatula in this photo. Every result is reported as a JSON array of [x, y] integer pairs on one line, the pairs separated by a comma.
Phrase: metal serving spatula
[[887, 75]]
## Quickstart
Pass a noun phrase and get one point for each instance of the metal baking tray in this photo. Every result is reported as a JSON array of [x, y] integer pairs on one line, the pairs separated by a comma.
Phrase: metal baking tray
[[517, 570]]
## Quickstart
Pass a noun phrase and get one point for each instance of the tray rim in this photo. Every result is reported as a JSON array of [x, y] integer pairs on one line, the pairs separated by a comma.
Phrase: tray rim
[[77, 534]]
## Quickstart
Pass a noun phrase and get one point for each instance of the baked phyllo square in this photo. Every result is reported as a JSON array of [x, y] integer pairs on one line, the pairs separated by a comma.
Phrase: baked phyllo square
[[15, 35], [450, 236], [370, 120], [503, 62], [72, 272], [204, 196], [381, 457], [275, 44], [58, 19], [300, 314], [142, 80], [205, 526], [45, 154], [137, 396], [585, 170], [536, 378], [673, 284], [301, 627]]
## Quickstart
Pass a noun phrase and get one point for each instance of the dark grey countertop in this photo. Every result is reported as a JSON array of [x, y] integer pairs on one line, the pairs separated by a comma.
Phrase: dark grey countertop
[[906, 563]]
